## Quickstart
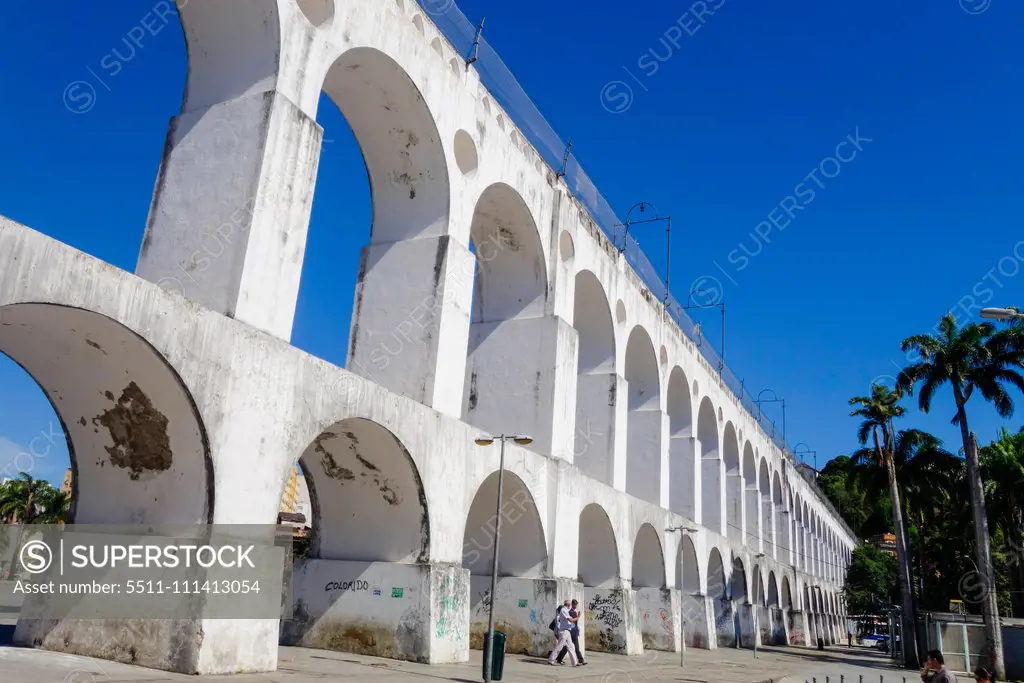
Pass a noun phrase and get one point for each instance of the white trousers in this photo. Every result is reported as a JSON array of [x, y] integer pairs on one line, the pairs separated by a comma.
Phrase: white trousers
[[564, 640]]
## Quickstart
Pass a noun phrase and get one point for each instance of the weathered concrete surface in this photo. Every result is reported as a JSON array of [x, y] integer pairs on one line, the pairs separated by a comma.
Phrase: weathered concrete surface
[[614, 620], [384, 609], [659, 618], [523, 611], [297, 665]]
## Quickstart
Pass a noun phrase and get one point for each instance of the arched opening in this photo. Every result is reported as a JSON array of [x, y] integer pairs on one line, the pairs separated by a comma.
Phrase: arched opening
[[798, 533], [98, 429], [599, 572], [511, 344], [643, 431], [757, 586], [710, 467], [366, 494], [781, 548], [787, 594], [689, 568], [773, 590], [296, 510], [682, 453], [767, 517], [725, 629], [654, 604], [596, 380], [522, 551], [382, 178], [753, 498], [733, 484], [598, 552], [739, 581], [648, 559], [370, 528], [522, 558], [318, 12], [136, 446]]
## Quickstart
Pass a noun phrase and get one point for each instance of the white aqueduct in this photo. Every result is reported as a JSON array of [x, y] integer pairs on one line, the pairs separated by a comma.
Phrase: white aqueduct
[[488, 300]]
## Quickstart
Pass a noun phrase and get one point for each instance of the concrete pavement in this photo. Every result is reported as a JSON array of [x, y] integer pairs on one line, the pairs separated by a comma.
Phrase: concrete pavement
[[298, 665]]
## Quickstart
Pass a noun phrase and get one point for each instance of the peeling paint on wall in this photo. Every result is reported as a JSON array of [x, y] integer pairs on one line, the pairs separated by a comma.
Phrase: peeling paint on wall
[[139, 432]]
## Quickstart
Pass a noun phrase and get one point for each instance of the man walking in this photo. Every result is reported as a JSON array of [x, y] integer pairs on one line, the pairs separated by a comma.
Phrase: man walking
[[574, 633], [562, 629], [935, 670]]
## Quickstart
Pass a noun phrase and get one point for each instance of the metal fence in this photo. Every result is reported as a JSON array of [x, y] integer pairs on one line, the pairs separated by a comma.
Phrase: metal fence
[[507, 91]]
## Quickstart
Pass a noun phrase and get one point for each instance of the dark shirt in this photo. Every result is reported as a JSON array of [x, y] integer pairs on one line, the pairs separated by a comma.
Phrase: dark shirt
[[574, 626]]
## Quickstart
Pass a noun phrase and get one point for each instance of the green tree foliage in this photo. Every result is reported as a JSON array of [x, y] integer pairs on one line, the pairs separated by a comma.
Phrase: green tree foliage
[[940, 526], [871, 582]]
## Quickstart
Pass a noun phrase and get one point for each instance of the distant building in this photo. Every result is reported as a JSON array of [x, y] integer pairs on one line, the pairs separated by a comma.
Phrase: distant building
[[295, 510], [66, 486], [884, 542]]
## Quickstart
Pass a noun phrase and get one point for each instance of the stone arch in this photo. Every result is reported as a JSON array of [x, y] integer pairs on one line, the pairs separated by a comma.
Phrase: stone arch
[[367, 498], [738, 583], [648, 559], [688, 574], [508, 338], [718, 593], [710, 466], [402, 149], [598, 556], [596, 380], [764, 486], [798, 532], [138, 446], [733, 484], [523, 548], [787, 594], [643, 429], [781, 546], [394, 331], [682, 453], [757, 589], [753, 498], [511, 280], [230, 53], [773, 590]]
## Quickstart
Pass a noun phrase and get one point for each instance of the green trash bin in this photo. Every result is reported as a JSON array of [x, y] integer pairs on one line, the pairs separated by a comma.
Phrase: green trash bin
[[497, 655]]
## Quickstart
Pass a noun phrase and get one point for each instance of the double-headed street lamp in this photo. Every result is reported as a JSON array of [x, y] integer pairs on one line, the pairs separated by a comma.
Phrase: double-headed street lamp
[[1008, 313], [484, 440]]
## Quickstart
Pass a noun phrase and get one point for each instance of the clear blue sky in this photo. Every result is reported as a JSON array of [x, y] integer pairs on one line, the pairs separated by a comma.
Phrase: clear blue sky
[[726, 128]]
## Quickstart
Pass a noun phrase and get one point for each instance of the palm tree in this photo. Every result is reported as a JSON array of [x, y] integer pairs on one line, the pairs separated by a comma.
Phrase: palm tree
[[971, 357], [55, 507], [21, 500], [878, 411], [1002, 463]]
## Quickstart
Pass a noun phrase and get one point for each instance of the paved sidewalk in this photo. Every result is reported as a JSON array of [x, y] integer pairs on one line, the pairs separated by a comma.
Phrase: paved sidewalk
[[298, 665]]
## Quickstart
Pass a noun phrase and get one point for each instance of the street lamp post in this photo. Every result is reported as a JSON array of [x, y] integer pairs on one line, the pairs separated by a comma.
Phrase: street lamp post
[[807, 451], [754, 609], [687, 530], [487, 441], [775, 399], [668, 238], [721, 306]]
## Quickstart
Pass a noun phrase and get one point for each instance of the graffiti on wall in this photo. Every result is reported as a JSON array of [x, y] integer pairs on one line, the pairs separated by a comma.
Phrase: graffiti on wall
[[450, 603]]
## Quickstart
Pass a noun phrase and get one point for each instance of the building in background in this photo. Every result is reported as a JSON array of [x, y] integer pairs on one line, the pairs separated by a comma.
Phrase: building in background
[[884, 542], [295, 510], [65, 487]]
